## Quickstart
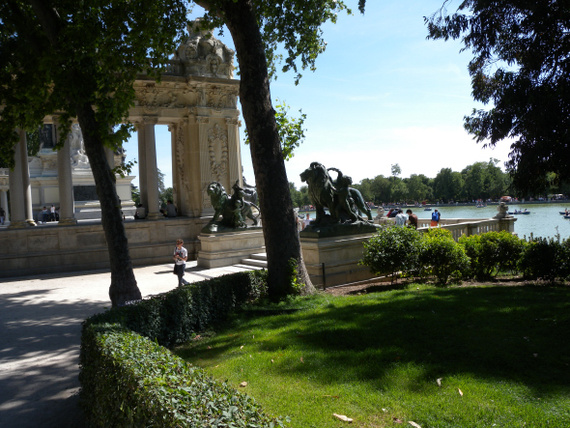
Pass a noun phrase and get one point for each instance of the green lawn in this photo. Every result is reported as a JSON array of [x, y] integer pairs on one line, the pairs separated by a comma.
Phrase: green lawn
[[440, 357]]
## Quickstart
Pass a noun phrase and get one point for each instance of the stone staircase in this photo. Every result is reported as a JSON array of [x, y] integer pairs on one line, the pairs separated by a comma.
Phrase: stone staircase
[[254, 262]]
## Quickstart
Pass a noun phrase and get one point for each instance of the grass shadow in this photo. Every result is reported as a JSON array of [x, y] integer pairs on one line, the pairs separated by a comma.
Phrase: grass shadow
[[497, 333]]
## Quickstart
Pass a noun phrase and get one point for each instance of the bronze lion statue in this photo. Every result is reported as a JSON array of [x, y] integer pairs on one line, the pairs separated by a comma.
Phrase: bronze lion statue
[[344, 203], [321, 191]]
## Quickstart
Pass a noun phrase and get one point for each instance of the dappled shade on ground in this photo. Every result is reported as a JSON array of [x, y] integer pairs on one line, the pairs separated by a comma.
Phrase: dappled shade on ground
[[506, 348]]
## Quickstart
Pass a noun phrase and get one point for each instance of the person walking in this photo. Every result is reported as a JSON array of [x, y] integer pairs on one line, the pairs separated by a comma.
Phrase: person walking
[[2, 215], [412, 219], [180, 257]]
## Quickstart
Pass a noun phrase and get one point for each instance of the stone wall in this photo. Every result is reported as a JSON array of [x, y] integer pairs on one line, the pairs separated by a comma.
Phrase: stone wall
[[56, 249]]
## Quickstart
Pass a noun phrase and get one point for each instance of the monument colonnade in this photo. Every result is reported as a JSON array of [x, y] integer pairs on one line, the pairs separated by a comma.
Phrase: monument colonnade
[[197, 99], [20, 212], [205, 148]]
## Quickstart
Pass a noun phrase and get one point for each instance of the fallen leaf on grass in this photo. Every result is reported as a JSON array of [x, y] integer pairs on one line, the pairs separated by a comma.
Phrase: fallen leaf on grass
[[438, 380], [302, 360], [460, 392], [243, 384], [412, 423], [342, 418], [398, 421], [241, 347], [331, 396]]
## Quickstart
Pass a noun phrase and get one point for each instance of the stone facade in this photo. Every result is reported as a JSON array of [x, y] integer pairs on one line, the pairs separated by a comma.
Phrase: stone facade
[[44, 176], [197, 99]]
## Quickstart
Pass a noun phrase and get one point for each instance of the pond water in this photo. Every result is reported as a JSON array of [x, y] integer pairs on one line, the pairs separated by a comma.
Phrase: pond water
[[544, 220]]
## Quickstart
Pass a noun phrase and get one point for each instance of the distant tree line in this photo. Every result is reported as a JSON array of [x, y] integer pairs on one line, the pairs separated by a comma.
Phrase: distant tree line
[[479, 181]]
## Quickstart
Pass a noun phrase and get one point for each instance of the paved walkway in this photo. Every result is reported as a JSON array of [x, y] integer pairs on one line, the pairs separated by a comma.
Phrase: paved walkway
[[40, 334]]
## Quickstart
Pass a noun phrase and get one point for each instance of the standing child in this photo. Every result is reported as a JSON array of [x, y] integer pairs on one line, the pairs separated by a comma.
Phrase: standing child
[[435, 216], [180, 257]]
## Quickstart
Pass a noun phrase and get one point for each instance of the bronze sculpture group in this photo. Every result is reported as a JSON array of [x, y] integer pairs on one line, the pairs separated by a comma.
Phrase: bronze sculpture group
[[234, 209], [344, 203]]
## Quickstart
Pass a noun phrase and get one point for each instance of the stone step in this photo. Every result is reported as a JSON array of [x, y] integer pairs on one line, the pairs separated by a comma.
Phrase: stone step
[[249, 267], [254, 263], [259, 256]]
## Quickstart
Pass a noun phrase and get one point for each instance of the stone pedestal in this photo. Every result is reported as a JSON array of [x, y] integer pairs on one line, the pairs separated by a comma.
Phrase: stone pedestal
[[333, 260], [228, 248], [508, 224]]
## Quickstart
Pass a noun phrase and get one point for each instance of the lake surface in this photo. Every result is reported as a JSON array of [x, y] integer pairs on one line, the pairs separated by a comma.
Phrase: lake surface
[[544, 219]]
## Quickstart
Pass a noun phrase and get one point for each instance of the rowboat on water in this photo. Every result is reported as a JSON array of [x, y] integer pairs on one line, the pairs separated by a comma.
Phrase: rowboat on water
[[519, 212]]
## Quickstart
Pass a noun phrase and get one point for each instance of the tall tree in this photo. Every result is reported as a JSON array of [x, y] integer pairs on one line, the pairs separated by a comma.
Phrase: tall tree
[[381, 189], [474, 181], [447, 185], [419, 188], [521, 67], [80, 60], [257, 28]]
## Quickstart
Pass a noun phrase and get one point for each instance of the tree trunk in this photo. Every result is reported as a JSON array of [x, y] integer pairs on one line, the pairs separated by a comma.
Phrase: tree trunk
[[123, 283], [279, 224]]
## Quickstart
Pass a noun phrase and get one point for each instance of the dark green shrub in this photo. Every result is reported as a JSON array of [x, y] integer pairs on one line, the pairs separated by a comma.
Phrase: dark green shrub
[[129, 380], [565, 260], [492, 252], [545, 259], [441, 256], [511, 248], [391, 250], [134, 382], [174, 317]]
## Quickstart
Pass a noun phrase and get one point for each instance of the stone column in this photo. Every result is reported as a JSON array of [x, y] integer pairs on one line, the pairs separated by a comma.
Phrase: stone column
[[142, 164], [65, 182], [150, 171], [173, 129], [4, 204], [20, 189], [234, 152]]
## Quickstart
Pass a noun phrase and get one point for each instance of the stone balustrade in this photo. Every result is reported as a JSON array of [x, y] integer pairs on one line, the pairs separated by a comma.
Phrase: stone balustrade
[[464, 226]]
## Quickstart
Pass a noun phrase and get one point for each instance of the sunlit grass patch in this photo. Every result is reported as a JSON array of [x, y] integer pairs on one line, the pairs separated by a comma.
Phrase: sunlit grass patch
[[457, 357]]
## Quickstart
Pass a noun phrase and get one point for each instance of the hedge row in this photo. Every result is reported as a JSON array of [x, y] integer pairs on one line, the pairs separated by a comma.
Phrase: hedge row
[[129, 379], [434, 253]]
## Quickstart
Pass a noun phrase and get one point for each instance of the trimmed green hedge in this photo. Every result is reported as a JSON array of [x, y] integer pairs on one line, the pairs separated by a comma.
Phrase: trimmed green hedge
[[483, 256], [129, 379]]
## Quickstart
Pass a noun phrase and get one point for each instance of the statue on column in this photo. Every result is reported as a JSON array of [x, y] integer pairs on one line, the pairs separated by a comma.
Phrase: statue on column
[[78, 157]]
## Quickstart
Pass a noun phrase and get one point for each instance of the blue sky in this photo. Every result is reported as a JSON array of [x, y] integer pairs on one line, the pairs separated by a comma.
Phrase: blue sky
[[381, 95]]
